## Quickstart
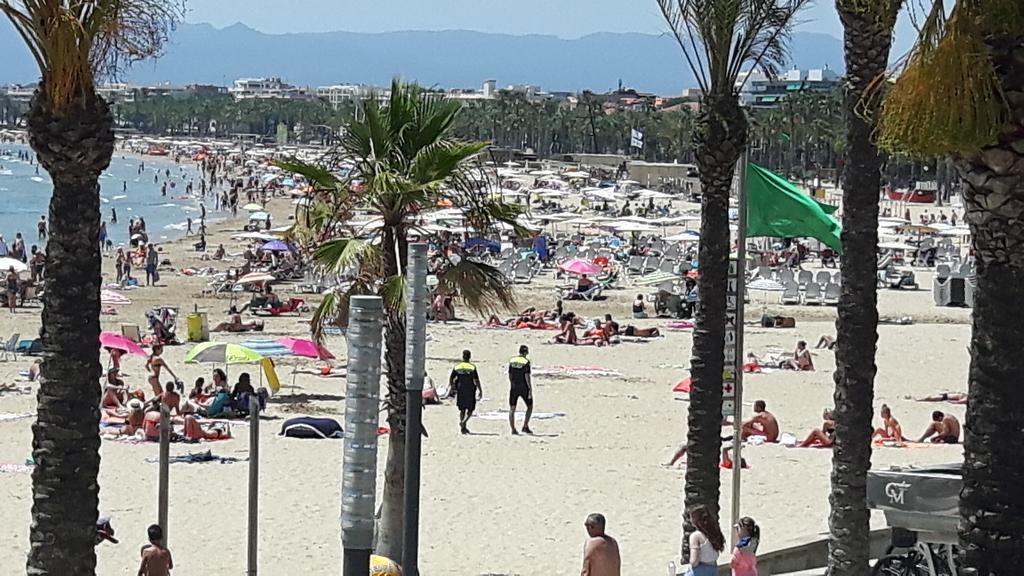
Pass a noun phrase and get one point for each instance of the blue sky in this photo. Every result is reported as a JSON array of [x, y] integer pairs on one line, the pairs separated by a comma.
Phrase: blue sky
[[564, 18]]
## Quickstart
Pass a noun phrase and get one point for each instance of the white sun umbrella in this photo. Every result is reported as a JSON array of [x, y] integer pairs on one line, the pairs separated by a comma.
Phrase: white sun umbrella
[[576, 174], [255, 236], [542, 173], [8, 263], [956, 231], [893, 220], [511, 164], [554, 194], [765, 285], [688, 236], [896, 246], [605, 194], [633, 227], [578, 221], [628, 182], [302, 201]]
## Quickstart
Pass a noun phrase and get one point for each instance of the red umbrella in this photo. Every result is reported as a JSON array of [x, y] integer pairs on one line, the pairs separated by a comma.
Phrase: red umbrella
[[307, 348], [119, 342]]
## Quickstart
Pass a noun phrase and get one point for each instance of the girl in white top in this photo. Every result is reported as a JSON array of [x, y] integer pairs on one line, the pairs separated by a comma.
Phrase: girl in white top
[[706, 543]]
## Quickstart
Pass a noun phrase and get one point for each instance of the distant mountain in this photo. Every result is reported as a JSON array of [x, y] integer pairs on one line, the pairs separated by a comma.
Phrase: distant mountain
[[200, 53]]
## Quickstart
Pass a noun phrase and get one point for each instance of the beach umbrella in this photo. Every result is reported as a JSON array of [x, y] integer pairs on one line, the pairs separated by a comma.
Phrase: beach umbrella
[[8, 263], [765, 285], [576, 174], [956, 231], [222, 353], [687, 236], [277, 246], [896, 246], [111, 298], [259, 216], [306, 348], [255, 236], [119, 342], [252, 207], [577, 266], [655, 278], [255, 277]]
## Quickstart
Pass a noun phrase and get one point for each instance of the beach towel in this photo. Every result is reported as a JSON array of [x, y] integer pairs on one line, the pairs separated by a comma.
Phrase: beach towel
[[198, 458], [309, 427], [683, 385], [682, 325], [16, 468], [881, 443], [9, 417], [574, 371], [503, 415], [520, 327]]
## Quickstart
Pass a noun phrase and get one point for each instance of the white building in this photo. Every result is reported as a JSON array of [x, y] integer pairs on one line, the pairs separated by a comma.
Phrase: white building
[[339, 94], [760, 90], [247, 88]]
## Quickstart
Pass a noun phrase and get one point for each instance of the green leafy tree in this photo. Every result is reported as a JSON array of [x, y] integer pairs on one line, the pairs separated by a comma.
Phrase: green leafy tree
[[71, 129], [405, 161], [719, 39]]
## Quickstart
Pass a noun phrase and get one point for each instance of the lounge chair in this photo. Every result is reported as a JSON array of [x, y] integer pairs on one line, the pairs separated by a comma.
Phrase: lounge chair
[[804, 278], [132, 332], [635, 266], [812, 294], [667, 266], [785, 276], [296, 305], [823, 277], [791, 295], [832, 292], [10, 349], [570, 293], [523, 272]]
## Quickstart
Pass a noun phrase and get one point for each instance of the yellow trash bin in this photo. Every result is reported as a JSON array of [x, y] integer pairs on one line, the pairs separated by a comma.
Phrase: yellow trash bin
[[195, 327]]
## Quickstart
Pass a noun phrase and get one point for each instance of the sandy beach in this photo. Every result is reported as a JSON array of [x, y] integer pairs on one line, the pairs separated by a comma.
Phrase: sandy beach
[[492, 503]]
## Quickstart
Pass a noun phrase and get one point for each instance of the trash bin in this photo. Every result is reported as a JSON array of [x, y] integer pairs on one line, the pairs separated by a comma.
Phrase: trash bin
[[195, 327]]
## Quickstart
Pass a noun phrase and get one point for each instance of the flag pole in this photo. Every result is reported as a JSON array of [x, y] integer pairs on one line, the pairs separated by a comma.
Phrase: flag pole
[[741, 266]]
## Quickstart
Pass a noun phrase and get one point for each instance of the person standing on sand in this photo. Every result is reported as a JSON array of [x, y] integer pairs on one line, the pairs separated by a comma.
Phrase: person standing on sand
[[465, 381], [156, 560], [601, 552], [151, 261], [520, 386]]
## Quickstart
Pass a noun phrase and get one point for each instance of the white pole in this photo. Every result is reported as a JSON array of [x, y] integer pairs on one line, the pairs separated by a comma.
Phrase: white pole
[[741, 265]]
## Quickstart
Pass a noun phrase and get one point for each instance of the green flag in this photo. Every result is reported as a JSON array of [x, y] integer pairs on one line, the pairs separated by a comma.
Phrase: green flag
[[777, 208]]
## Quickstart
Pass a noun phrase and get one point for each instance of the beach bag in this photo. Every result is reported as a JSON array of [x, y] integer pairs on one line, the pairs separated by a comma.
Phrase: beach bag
[[309, 427]]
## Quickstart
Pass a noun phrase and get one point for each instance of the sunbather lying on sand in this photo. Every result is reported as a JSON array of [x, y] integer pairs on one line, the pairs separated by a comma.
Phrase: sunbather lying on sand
[[954, 397], [824, 436], [612, 328], [235, 324], [196, 431]]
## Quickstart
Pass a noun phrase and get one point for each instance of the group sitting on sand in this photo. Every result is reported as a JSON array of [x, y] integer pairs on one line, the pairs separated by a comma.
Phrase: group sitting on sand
[[597, 333], [944, 429], [763, 424]]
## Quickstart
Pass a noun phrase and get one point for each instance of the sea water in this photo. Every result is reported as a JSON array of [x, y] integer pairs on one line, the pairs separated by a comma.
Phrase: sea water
[[25, 190]]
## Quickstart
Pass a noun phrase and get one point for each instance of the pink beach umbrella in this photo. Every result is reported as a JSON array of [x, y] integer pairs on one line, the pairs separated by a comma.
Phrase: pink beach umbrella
[[577, 266], [306, 348], [119, 342]]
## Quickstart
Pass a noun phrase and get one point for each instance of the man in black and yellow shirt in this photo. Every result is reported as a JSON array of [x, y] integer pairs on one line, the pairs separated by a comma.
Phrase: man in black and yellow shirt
[[520, 386], [465, 381]]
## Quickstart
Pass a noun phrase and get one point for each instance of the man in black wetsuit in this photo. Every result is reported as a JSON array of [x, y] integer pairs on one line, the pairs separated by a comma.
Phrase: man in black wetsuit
[[520, 386], [465, 381]]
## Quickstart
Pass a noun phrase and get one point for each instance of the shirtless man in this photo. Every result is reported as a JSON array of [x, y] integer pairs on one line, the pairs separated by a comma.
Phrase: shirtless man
[[890, 429], [951, 397], [762, 423], [944, 429], [601, 552], [153, 365], [156, 560]]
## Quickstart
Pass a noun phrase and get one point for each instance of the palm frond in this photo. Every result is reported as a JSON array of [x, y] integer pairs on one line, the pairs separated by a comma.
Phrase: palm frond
[[318, 176], [720, 39], [483, 288], [392, 291], [344, 254]]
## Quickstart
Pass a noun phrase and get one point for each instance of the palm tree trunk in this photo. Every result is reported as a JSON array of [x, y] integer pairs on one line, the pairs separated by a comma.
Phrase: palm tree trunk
[[74, 146], [867, 41], [719, 138], [389, 529], [991, 503]]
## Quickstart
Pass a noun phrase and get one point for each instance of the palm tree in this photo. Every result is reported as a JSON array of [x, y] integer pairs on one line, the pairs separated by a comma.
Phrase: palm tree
[[71, 129], [719, 39], [405, 162], [978, 50], [867, 39]]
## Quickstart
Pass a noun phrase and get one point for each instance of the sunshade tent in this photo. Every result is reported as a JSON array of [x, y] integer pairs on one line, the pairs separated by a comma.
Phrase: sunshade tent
[[577, 266], [252, 207]]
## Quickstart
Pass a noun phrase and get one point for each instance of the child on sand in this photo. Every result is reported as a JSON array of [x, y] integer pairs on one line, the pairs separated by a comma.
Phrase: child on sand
[[156, 560], [747, 535]]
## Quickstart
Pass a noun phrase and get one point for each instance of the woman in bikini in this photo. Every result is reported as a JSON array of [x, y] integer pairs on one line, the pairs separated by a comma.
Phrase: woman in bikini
[[824, 436], [154, 364]]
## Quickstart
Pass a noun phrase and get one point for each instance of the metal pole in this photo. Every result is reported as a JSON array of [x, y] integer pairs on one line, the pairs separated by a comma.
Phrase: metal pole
[[165, 461], [741, 269], [254, 483], [415, 360], [362, 399]]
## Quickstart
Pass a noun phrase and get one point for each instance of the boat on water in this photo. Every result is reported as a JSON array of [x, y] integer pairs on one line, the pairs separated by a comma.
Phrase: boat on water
[[921, 193], [157, 151]]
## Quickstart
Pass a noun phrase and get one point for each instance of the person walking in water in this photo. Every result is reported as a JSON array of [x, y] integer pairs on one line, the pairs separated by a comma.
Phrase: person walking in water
[[113, 215], [601, 552], [465, 381], [41, 227], [520, 386]]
